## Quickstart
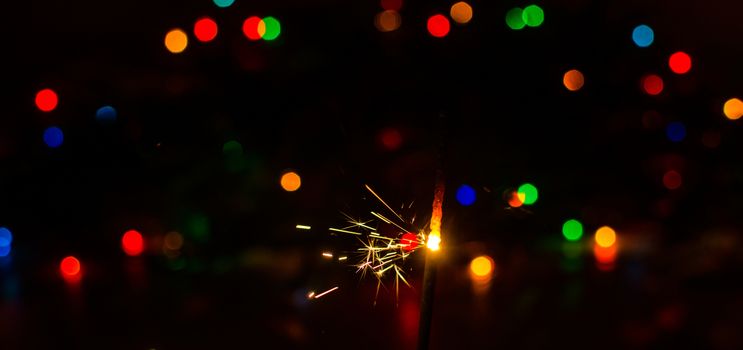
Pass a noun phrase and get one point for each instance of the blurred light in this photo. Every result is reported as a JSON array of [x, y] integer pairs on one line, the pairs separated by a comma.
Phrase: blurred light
[[232, 148], [573, 80], [434, 241], [733, 109], [106, 114], [461, 12], [605, 255], [223, 3], [680, 62], [6, 238], [391, 5], [132, 243], [391, 139], [273, 28], [438, 26], [572, 230], [711, 139], [176, 41], [515, 19], [205, 29], [70, 266], [643, 35], [676, 131], [514, 200], [528, 194], [173, 241], [53, 136], [672, 180], [482, 266], [254, 28], [652, 84], [290, 181], [605, 236], [533, 16], [46, 100], [409, 241], [465, 195], [387, 21]]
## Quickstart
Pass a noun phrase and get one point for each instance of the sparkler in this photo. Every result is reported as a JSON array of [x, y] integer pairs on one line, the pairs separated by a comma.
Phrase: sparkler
[[429, 273]]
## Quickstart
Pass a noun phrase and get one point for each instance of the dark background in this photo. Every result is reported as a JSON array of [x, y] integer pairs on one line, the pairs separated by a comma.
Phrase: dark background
[[485, 104]]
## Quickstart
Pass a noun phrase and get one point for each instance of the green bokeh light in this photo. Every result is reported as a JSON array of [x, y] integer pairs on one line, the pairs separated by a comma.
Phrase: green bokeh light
[[273, 28], [572, 230], [528, 193], [197, 227], [224, 3], [533, 16], [515, 18]]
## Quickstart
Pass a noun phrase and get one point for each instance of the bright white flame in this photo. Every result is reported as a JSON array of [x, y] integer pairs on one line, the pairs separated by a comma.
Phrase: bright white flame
[[434, 242]]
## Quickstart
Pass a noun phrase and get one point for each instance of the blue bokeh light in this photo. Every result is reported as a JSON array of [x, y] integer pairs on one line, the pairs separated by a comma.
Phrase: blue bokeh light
[[465, 195], [53, 136], [676, 131], [224, 3], [106, 114], [643, 35]]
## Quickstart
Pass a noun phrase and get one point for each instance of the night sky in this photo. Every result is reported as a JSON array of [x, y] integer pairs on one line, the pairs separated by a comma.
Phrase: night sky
[[193, 155]]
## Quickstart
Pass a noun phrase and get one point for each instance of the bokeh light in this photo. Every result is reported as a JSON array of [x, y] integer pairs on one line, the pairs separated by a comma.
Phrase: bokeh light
[[572, 230], [46, 100], [466, 195], [409, 241], [105, 114], [387, 21], [676, 131], [290, 181], [605, 255], [652, 84], [205, 29], [515, 19], [528, 193], [232, 148], [273, 28], [438, 26], [53, 136], [533, 16], [223, 3], [672, 180], [70, 266], [254, 28], [514, 200], [643, 35], [733, 109], [461, 12], [173, 241], [482, 266], [679, 62], [6, 239], [605, 236], [573, 80], [176, 41], [391, 5], [390, 138], [132, 243]]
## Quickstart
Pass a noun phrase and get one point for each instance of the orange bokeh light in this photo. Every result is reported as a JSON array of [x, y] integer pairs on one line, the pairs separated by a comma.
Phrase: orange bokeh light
[[291, 181], [573, 80], [605, 236]]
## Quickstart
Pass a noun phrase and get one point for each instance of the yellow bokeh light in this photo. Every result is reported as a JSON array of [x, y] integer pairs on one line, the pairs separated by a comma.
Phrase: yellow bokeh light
[[290, 181], [261, 29], [176, 41], [605, 236], [733, 109], [434, 241], [387, 21], [573, 80], [482, 266], [461, 12]]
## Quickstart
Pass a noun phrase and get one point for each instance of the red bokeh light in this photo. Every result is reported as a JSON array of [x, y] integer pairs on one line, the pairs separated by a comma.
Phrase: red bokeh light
[[250, 28], [409, 241], [672, 179], [391, 139], [70, 266], [652, 84], [393, 5], [680, 62], [46, 100], [438, 26], [132, 243], [205, 29]]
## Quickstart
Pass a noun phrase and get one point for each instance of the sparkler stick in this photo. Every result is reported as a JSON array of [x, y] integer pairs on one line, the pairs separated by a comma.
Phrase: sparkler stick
[[429, 274]]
